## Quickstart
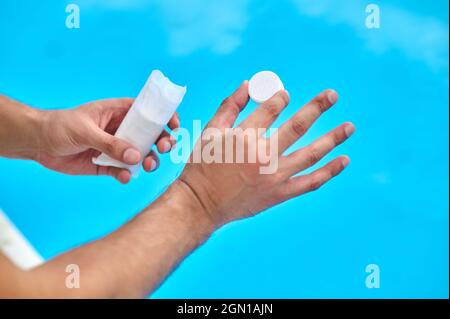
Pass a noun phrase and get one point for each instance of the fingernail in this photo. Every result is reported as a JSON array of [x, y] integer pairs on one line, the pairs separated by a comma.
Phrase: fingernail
[[123, 178], [345, 161], [153, 165], [131, 156], [332, 96], [166, 146], [349, 129]]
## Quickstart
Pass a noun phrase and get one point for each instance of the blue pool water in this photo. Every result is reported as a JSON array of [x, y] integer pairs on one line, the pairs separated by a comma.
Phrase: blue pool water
[[390, 207]]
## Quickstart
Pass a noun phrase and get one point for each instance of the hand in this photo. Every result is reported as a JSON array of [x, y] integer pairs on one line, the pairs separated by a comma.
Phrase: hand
[[232, 191], [71, 138]]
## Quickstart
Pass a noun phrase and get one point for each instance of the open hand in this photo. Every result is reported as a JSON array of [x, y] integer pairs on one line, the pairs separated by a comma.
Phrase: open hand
[[232, 191]]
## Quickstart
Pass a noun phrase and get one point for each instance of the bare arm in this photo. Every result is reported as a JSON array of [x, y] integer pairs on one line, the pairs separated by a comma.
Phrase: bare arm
[[129, 263], [18, 126], [132, 261]]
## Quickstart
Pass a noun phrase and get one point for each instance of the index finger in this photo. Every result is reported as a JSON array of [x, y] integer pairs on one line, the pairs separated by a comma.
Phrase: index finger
[[230, 108], [123, 103], [174, 121]]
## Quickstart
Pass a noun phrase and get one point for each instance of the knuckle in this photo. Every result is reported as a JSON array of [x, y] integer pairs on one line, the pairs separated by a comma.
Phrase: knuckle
[[112, 172], [284, 97], [227, 101], [341, 135], [327, 175], [315, 184], [277, 178], [338, 136], [291, 187], [336, 139], [313, 156], [234, 110], [112, 146], [272, 107], [333, 171], [322, 103], [299, 126], [109, 148], [336, 169]]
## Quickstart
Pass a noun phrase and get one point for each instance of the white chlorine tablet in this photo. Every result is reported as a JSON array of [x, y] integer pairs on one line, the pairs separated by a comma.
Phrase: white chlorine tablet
[[263, 85]]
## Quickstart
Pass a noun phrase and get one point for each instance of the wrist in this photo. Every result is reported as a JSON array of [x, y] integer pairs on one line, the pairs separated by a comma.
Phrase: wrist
[[20, 129], [34, 120], [184, 212], [193, 210]]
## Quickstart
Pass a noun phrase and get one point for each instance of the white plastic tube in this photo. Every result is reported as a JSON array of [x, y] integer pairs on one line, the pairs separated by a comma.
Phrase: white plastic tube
[[145, 120]]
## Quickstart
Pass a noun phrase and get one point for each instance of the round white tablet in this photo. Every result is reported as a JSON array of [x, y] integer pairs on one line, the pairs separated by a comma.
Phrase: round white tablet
[[263, 85]]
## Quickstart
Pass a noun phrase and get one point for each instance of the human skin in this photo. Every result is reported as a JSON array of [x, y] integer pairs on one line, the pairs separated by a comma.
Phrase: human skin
[[135, 259], [67, 140]]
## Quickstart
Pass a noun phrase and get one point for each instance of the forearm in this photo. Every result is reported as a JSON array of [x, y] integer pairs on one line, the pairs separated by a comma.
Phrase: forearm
[[134, 260], [19, 129]]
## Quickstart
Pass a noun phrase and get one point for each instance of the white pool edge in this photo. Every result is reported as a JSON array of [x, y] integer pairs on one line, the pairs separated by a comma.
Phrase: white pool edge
[[15, 246]]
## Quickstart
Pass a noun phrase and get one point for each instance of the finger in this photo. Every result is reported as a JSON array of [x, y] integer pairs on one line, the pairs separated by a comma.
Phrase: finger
[[174, 122], [151, 162], [120, 174], [310, 155], [267, 112], [297, 125], [113, 111], [165, 142], [299, 185], [230, 108], [124, 102], [114, 147]]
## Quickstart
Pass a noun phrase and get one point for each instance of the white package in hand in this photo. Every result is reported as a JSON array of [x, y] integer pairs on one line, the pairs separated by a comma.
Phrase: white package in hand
[[145, 120]]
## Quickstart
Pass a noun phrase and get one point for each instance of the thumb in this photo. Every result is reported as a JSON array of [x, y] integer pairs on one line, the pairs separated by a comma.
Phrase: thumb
[[115, 148]]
